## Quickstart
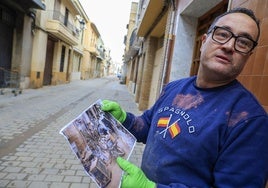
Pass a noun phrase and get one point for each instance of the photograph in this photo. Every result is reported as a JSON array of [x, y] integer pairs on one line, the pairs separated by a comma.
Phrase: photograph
[[97, 139]]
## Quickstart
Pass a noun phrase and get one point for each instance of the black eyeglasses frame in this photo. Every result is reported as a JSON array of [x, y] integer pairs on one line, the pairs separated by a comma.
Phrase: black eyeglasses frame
[[232, 36]]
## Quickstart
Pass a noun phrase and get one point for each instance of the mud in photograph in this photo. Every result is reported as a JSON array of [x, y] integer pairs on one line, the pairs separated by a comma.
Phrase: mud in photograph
[[97, 139]]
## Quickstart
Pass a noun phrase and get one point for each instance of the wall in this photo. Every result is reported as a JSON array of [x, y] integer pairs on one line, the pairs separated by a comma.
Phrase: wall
[[38, 59], [255, 74], [150, 49], [155, 77], [185, 32], [183, 49]]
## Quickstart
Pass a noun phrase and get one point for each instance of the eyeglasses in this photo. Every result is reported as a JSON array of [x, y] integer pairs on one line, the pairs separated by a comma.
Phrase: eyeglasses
[[243, 44]]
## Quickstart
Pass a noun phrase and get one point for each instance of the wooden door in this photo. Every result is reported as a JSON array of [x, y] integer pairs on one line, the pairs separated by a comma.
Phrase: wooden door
[[49, 62], [203, 24]]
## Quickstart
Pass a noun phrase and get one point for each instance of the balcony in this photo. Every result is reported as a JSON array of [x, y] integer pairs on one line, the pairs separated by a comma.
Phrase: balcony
[[62, 29], [152, 18], [24, 5]]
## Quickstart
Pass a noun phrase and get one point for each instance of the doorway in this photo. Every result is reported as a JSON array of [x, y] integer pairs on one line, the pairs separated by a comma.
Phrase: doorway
[[49, 62], [6, 40]]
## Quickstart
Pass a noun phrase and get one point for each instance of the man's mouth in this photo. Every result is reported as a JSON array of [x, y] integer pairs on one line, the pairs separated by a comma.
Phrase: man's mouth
[[223, 59]]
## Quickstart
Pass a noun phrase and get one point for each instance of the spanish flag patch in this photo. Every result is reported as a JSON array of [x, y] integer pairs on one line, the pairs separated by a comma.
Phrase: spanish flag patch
[[163, 122], [174, 129]]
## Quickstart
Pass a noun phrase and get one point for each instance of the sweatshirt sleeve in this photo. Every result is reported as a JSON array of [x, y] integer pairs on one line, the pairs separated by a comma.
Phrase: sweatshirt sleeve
[[242, 161], [138, 126]]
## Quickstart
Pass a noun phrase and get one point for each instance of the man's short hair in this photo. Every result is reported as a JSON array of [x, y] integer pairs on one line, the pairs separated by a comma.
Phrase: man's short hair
[[246, 11]]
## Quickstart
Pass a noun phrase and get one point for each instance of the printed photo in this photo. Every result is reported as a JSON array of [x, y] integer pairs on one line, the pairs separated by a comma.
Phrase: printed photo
[[97, 139]]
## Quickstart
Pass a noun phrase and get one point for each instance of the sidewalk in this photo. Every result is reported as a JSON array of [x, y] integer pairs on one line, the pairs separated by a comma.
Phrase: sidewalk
[[32, 152]]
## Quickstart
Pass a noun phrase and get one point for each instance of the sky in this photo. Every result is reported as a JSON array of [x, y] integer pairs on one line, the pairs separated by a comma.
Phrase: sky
[[111, 19]]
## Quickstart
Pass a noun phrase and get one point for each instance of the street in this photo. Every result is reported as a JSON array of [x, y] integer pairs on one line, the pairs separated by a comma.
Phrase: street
[[32, 152]]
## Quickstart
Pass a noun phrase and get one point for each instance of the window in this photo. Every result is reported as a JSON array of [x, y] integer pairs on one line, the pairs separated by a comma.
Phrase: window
[[66, 17], [62, 58]]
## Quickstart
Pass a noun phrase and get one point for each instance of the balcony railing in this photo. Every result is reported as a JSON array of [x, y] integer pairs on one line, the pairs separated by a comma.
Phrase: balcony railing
[[63, 28], [62, 19]]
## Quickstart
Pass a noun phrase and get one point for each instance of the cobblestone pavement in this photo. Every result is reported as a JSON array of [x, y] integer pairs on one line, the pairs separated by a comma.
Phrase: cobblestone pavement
[[32, 152]]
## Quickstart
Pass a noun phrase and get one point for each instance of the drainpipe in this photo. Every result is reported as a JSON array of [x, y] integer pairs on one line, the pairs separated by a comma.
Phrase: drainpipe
[[169, 47], [230, 2]]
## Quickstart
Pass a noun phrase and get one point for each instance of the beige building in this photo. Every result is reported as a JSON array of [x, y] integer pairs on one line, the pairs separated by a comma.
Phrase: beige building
[[91, 36], [57, 43], [132, 43], [49, 42], [45, 41], [17, 29], [107, 62], [97, 59], [168, 38]]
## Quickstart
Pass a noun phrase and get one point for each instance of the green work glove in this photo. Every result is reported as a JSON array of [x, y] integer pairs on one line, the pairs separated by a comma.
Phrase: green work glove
[[115, 109], [133, 176]]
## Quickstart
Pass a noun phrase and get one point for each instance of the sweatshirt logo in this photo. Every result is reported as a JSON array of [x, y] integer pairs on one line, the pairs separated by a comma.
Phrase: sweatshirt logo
[[172, 128]]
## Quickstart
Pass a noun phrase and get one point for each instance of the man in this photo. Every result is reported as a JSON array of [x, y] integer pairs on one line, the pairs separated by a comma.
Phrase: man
[[206, 130]]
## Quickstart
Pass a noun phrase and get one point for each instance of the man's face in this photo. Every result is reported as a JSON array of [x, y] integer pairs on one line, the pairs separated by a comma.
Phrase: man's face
[[221, 62]]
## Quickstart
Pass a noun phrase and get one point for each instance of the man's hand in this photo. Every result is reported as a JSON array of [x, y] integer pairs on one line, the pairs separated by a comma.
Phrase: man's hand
[[115, 109], [133, 176]]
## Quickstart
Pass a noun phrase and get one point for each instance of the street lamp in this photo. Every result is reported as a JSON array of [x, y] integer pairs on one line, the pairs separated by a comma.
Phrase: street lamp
[[82, 24]]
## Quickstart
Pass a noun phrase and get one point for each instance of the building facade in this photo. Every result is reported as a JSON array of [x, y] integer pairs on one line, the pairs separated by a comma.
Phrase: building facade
[[17, 22], [168, 42], [131, 42], [90, 51], [49, 42], [57, 43]]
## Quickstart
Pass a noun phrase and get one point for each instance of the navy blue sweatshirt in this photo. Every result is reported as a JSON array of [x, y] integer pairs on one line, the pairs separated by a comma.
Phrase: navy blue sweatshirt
[[198, 137]]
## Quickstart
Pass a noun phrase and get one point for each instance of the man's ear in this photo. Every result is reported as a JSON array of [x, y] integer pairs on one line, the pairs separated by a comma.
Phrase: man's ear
[[203, 39]]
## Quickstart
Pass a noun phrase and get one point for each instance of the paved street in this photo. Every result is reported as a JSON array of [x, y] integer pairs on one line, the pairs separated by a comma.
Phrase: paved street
[[32, 152]]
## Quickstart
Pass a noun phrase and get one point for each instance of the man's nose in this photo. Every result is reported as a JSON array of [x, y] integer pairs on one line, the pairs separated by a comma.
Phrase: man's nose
[[230, 45]]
